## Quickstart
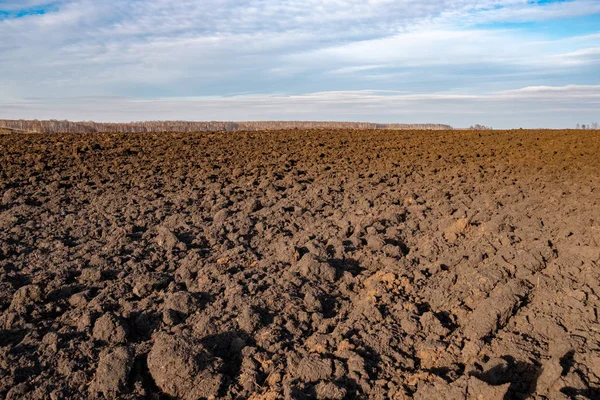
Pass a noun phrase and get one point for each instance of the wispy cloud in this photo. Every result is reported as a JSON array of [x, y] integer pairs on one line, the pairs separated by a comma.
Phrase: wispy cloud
[[17, 5]]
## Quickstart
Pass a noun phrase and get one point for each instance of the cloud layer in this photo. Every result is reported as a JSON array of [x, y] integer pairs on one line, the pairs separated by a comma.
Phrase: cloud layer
[[188, 58], [500, 109]]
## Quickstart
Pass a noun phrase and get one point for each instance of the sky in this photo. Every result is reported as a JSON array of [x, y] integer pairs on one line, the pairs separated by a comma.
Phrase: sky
[[500, 63]]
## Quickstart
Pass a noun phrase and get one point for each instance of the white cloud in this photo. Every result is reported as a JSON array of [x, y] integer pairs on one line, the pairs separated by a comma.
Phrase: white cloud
[[553, 106], [431, 46], [552, 93]]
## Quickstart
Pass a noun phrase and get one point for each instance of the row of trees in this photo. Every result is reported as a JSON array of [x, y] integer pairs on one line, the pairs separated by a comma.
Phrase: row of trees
[[54, 126], [593, 125]]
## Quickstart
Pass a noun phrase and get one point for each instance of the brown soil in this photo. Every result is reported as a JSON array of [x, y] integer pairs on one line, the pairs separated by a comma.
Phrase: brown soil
[[300, 264]]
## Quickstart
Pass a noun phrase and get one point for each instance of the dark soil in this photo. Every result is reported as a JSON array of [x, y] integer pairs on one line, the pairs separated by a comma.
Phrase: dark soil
[[300, 265]]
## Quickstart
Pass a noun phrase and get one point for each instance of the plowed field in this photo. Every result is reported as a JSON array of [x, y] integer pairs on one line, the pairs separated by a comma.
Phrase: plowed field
[[300, 264]]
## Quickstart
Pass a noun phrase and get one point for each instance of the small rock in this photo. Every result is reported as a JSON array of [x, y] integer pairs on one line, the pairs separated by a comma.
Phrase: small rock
[[78, 300], [410, 325], [220, 217], [50, 340], [181, 302], [113, 370], [90, 275], [183, 368], [429, 353], [183, 274], [166, 239], [471, 349], [375, 243], [25, 298], [310, 266], [452, 233], [312, 302], [431, 324], [110, 329], [143, 287]]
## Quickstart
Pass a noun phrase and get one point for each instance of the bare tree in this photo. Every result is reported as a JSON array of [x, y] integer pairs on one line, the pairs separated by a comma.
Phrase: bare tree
[[578, 126], [594, 125]]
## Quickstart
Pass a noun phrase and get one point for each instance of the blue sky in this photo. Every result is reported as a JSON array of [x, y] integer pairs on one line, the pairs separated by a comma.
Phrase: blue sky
[[504, 63]]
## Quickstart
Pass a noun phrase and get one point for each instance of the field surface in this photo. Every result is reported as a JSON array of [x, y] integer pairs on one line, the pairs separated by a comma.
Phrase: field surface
[[300, 264]]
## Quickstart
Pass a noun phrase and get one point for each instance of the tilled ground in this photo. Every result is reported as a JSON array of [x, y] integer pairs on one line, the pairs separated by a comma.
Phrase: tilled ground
[[300, 264]]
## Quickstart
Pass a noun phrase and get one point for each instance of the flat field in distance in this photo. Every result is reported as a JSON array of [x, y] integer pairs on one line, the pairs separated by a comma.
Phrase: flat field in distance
[[300, 264]]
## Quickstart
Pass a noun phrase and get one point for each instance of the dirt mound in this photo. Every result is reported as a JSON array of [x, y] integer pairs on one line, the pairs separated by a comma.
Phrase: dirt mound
[[300, 264]]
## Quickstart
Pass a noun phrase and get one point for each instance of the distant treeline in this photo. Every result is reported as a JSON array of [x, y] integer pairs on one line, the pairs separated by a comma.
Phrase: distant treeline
[[54, 126]]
